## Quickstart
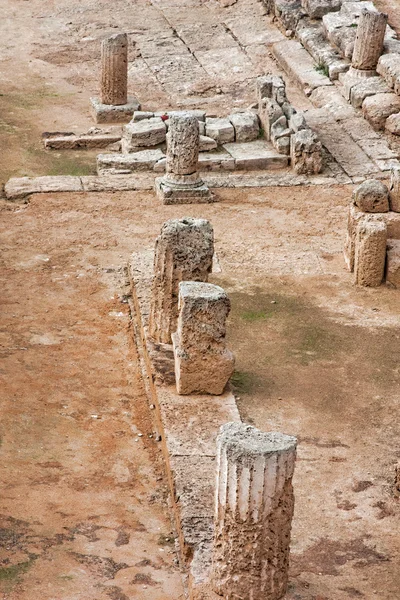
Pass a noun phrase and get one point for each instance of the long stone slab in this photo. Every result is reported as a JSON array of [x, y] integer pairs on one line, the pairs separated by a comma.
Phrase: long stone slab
[[72, 141], [299, 65], [259, 154], [21, 187], [188, 427]]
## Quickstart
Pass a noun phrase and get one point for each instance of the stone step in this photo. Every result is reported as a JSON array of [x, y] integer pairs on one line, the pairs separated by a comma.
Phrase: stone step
[[299, 65], [73, 141], [255, 155]]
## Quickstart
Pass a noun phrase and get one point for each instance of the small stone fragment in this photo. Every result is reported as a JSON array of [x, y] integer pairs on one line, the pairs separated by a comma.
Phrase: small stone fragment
[[376, 109], [392, 124], [206, 144], [306, 152], [269, 113], [220, 129], [371, 196], [318, 8]]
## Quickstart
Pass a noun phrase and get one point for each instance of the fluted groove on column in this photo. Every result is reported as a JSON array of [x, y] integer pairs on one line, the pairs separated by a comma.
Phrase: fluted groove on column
[[253, 513], [114, 70], [370, 35]]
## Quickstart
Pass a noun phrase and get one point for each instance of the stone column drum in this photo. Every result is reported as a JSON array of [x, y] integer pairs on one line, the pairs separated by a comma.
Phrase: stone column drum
[[203, 364], [253, 513], [370, 252], [184, 252], [181, 184], [368, 45], [114, 69], [113, 106]]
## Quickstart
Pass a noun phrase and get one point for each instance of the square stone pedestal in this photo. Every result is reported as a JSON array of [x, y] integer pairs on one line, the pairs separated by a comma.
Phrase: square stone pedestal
[[111, 113], [170, 193]]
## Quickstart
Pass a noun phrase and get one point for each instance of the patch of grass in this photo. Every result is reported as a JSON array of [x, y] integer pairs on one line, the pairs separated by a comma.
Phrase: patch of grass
[[256, 315], [322, 68], [261, 133], [354, 25], [14, 572]]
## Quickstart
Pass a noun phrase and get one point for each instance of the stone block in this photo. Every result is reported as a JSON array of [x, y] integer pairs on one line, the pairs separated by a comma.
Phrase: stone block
[[270, 112], [142, 134], [220, 129], [216, 161], [299, 65], [206, 144], [357, 88], [389, 68], [318, 8], [118, 164], [245, 125], [306, 152], [376, 109], [371, 196], [392, 124], [354, 217], [272, 87], [172, 193], [393, 263], [394, 190], [20, 187], [203, 364], [141, 115], [110, 113], [256, 155], [370, 252]]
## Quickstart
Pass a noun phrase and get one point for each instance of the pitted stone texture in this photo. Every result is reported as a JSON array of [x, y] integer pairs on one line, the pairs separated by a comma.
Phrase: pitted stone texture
[[245, 125], [354, 218], [220, 129], [182, 144], [306, 152], [253, 513], [184, 251], [318, 8], [203, 364], [368, 44], [393, 263], [394, 190], [114, 70], [376, 109], [389, 68], [392, 124], [370, 252], [271, 86], [142, 134], [371, 196], [269, 112]]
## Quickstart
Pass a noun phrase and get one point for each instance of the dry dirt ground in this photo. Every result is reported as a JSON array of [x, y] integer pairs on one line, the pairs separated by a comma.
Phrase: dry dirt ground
[[83, 504]]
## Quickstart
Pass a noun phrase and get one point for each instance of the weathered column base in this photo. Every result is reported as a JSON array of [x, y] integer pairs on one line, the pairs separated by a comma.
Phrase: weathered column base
[[183, 190], [111, 113]]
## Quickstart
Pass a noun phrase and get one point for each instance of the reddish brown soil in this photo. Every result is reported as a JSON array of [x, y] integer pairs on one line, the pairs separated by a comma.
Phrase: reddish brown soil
[[316, 357]]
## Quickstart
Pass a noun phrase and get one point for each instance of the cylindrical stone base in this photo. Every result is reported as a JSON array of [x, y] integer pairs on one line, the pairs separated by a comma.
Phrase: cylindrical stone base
[[370, 253], [394, 190], [254, 509], [114, 70], [368, 45]]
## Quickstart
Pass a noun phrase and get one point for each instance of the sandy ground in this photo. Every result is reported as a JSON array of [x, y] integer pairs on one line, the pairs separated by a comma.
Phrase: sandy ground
[[316, 357]]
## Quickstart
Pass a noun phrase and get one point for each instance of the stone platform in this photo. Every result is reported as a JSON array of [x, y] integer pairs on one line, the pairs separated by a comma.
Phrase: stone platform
[[188, 427]]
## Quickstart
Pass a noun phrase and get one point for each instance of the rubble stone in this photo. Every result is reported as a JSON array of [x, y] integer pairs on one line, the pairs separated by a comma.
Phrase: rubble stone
[[371, 196], [203, 364], [245, 125], [206, 144], [306, 152], [253, 513], [269, 113], [393, 266], [392, 124], [318, 8], [184, 252], [376, 109], [142, 134], [370, 252], [220, 129], [389, 68]]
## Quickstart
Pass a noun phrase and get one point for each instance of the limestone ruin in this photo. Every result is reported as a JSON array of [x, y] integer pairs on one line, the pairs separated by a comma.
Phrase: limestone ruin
[[184, 252], [114, 106], [253, 513], [181, 183], [203, 364]]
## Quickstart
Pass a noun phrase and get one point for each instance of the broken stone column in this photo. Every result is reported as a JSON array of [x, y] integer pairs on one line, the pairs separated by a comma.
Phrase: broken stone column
[[253, 513], [370, 252], [184, 252], [305, 152], [203, 364], [114, 105], [181, 184], [394, 190], [368, 45]]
